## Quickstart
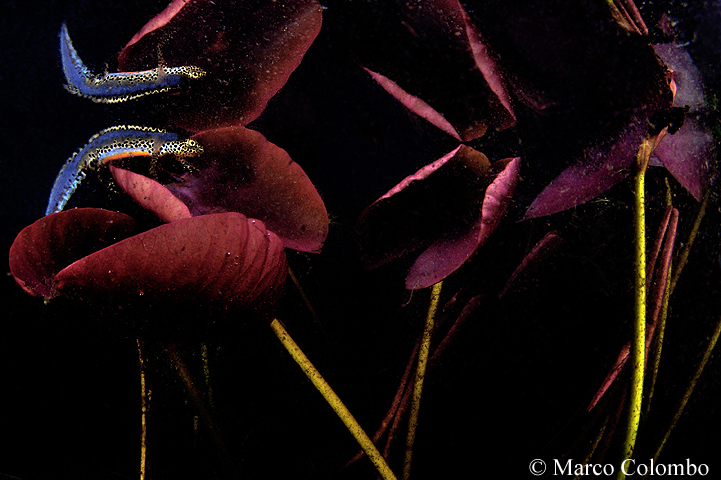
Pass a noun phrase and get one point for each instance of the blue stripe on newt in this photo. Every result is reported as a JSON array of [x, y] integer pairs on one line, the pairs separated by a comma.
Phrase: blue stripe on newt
[[113, 143], [119, 87]]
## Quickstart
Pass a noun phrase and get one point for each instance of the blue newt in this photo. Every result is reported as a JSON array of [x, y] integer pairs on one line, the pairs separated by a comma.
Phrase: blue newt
[[119, 87], [115, 143]]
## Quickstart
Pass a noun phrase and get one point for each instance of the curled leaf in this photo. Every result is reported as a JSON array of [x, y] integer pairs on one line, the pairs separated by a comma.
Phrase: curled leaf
[[225, 260], [248, 49], [50, 244], [430, 57], [448, 253], [442, 197], [241, 171], [150, 195]]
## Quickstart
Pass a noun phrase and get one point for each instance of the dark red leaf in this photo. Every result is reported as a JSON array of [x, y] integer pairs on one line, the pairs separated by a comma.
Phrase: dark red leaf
[[448, 253], [443, 198], [224, 259], [241, 171], [429, 56], [43, 249], [248, 49]]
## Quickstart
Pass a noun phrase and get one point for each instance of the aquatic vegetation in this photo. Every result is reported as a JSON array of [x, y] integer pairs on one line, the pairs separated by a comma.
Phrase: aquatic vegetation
[[247, 49], [456, 203], [201, 240], [519, 287], [100, 256]]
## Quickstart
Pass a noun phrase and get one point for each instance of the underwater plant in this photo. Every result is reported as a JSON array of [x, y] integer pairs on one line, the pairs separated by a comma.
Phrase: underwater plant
[[546, 282]]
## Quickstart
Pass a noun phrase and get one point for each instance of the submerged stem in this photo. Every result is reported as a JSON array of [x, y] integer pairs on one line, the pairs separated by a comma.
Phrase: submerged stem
[[144, 405], [638, 343], [206, 373], [333, 400], [195, 396], [691, 386], [419, 377], [683, 254], [655, 353]]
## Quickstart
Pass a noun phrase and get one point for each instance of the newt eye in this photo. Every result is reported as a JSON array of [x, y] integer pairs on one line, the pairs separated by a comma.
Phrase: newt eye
[[119, 87]]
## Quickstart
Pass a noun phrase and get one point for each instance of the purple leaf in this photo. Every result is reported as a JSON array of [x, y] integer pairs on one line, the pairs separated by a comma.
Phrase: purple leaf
[[689, 86], [686, 155], [600, 168], [452, 249], [415, 104]]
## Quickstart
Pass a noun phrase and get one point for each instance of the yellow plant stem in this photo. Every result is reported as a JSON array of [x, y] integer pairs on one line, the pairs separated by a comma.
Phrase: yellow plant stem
[[174, 352], [419, 377], [144, 405], [312, 311], [691, 386], [683, 254], [206, 373], [594, 445], [333, 400], [655, 354], [638, 343]]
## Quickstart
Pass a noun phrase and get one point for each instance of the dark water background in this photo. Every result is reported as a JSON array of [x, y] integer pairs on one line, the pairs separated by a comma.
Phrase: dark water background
[[511, 390]]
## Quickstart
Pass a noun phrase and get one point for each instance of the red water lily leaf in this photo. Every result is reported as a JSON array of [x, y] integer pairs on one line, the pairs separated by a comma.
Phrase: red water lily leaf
[[443, 198], [448, 253], [43, 249], [415, 104], [248, 49], [150, 195], [241, 171], [431, 58], [224, 259]]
